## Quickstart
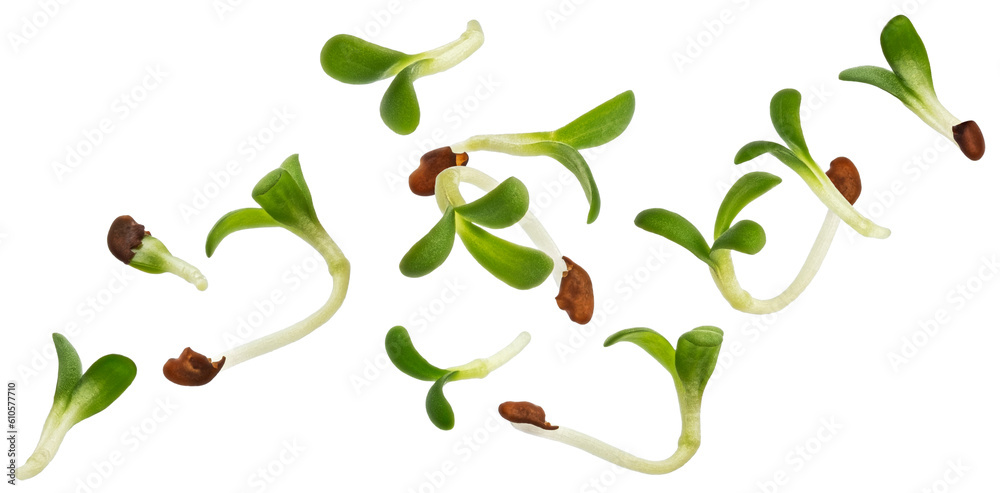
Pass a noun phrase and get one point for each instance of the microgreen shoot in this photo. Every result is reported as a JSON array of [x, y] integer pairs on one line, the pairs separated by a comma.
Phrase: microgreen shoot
[[520, 267], [79, 395], [353, 60], [132, 244], [910, 81], [748, 236], [285, 202], [596, 127], [690, 365], [785, 106], [405, 357]]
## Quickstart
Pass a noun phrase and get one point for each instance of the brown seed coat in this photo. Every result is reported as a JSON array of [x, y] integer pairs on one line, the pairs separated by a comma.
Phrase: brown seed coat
[[192, 368], [124, 236], [846, 178], [970, 139], [431, 165], [525, 412], [576, 293]]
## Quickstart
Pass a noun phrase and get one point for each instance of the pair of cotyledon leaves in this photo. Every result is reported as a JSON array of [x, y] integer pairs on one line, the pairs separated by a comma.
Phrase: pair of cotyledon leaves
[[518, 266], [284, 199], [353, 60]]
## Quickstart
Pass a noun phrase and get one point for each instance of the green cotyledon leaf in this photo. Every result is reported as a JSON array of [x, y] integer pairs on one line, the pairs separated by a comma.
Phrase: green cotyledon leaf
[[499, 208], [280, 195], [785, 106], [696, 355], [906, 54], [400, 109], [745, 237], [518, 266], [599, 125], [234, 221], [405, 357], [747, 189], [70, 368], [675, 228], [438, 408], [353, 60], [101, 385], [650, 341], [430, 251]]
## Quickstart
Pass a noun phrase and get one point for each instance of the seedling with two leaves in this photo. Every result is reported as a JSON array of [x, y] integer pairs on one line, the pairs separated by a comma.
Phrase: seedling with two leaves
[[353, 60], [405, 357], [838, 188], [690, 365]]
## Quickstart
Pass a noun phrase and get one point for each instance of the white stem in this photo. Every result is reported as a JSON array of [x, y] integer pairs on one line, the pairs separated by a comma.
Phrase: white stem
[[835, 201], [512, 144], [451, 54], [187, 272], [724, 274], [447, 194], [53, 433], [479, 368], [340, 271]]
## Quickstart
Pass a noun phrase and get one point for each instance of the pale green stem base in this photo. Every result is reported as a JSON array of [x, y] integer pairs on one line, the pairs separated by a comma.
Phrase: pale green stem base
[[53, 432], [451, 54], [447, 193], [934, 114], [724, 274], [340, 271], [479, 368], [512, 144]]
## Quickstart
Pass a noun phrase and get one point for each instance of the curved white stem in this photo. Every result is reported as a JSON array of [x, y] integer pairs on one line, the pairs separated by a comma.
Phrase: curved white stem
[[447, 193], [724, 274], [53, 432], [340, 271], [451, 54], [479, 368]]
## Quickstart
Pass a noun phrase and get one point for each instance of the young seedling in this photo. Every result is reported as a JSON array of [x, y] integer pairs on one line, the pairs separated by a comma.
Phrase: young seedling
[[78, 396], [285, 202], [503, 205], [596, 127], [748, 236], [355, 61], [132, 244], [910, 81], [785, 107], [690, 365], [402, 354]]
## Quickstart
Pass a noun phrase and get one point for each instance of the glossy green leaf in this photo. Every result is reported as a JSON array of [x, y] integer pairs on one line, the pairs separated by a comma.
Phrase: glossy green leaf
[[294, 168], [755, 149], [906, 54], [278, 193], [353, 60], [574, 162], [429, 252], [747, 189], [697, 353], [785, 107], [234, 221], [599, 125], [399, 109], [101, 385], [405, 357], [878, 77], [745, 236], [70, 368], [518, 266], [499, 208], [438, 408], [675, 228], [650, 341]]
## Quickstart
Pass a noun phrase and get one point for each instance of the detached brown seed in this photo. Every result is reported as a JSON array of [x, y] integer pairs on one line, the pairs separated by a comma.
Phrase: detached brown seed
[[192, 368], [431, 165], [525, 412], [970, 139], [124, 235], [846, 178], [576, 293]]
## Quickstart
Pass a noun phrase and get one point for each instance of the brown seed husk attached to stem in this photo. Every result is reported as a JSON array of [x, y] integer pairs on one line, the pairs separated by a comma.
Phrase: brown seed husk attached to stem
[[846, 178], [431, 165], [124, 236], [970, 139], [525, 412], [576, 293], [192, 368]]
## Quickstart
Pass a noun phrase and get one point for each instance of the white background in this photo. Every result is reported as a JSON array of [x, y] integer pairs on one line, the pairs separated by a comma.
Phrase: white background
[[354, 424]]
